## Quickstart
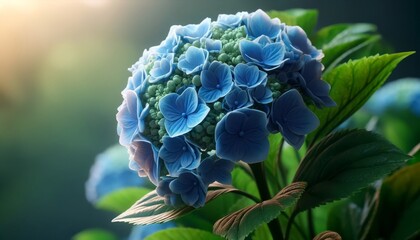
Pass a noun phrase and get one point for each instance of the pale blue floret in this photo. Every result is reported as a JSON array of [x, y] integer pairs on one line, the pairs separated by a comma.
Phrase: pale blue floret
[[144, 158], [169, 45], [193, 60], [192, 32], [216, 81], [259, 23], [292, 118], [249, 76], [236, 98], [230, 21], [263, 52], [130, 117], [261, 94], [138, 82], [242, 135], [179, 154], [191, 188], [162, 68], [214, 169], [182, 112], [213, 46]]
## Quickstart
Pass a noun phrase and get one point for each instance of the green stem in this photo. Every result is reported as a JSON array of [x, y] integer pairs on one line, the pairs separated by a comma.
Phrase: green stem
[[289, 225], [311, 224], [283, 173], [259, 174], [297, 227]]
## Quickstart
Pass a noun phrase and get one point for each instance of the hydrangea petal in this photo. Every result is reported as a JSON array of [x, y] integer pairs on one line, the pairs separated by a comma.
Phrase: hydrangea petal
[[168, 108]]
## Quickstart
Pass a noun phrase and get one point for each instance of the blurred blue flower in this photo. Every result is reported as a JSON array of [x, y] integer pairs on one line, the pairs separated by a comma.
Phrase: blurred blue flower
[[192, 32], [182, 112], [400, 95], [214, 169], [261, 94], [193, 60], [259, 23], [249, 76], [164, 191], [109, 173], [236, 98], [141, 232], [263, 52], [213, 46], [216, 81], [162, 68], [292, 118], [296, 39], [313, 86], [179, 154], [230, 20], [130, 117], [144, 158], [242, 135], [191, 188]]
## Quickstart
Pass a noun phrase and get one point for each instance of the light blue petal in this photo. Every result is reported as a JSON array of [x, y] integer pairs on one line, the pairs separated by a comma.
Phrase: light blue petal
[[177, 128], [168, 107], [188, 100], [209, 95], [198, 116]]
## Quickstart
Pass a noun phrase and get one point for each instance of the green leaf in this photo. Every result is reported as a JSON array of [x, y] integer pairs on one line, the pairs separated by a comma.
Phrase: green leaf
[[152, 208], [334, 34], [328, 235], [183, 233], [340, 41], [242, 180], [95, 234], [305, 18], [399, 206], [345, 218], [343, 163], [120, 200], [241, 223], [352, 84]]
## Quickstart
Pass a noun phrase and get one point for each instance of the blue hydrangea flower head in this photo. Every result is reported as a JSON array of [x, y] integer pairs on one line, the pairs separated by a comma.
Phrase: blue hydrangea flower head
[[215, 169], [216, 81], [242, 135], [263, 52], [179, 154], [193, 60], [182, 112], [194, 32], [162, 68], [109, 173], [191, 188], [292, 118], [236, 98], [259, 23], [213, 91], [144, 159], [249, 76], [230, 20], [130, 117]]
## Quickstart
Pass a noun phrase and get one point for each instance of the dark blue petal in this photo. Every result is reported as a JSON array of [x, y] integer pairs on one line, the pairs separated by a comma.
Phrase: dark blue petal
[[214, 169]]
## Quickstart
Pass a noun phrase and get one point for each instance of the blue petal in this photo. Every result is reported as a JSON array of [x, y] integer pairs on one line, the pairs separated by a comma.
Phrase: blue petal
[[302, 121], [198, 116], [234, 122], [146, 156], [177, 127], [209, 95], [250, 51], [168, 107], [187, 102]]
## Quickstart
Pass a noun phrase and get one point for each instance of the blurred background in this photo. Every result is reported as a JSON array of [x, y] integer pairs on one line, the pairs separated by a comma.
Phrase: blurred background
[[62, 67]]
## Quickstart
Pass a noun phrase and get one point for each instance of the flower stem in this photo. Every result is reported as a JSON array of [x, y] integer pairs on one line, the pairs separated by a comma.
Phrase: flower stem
[[259, 174], [311, 224], [289, 225]]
